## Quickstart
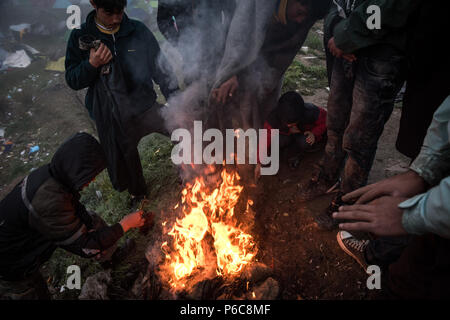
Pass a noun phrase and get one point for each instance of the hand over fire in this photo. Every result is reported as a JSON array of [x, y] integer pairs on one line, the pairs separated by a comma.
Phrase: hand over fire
[[404, 185], [225, 92]]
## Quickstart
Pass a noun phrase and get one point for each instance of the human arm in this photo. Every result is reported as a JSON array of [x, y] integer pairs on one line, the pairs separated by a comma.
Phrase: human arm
[[427, 211], [80, 73], [67, 223]]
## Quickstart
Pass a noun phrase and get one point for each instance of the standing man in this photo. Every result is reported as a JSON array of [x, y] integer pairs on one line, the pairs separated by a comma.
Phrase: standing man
[[368, 71], [118, 59], [427, 83]]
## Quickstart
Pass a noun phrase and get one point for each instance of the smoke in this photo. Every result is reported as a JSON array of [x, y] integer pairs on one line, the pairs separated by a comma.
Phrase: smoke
[[223, 39]]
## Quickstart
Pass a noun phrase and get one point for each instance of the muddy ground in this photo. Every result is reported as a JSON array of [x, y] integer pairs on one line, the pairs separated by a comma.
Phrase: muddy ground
[[38, 109], [308, 261]]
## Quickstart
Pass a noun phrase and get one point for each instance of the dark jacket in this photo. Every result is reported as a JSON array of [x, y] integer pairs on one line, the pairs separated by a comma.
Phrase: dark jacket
[[49, 215], [138, 52], [347, 22]]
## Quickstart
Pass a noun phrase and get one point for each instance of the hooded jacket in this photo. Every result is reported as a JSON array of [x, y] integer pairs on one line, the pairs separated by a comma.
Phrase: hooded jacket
[[43, 211], [138, 52]]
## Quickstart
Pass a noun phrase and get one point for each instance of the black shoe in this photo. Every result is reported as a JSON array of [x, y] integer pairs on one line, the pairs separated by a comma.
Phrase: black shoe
[[325, 220], [316, 188], [120, 254], [294, 162]]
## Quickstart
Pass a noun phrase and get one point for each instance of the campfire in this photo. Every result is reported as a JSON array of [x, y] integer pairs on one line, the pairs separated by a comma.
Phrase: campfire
[[207, 241], [205, 248]]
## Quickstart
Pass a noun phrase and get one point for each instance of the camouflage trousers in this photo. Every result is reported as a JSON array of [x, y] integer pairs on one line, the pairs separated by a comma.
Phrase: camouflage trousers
[[360, 103]]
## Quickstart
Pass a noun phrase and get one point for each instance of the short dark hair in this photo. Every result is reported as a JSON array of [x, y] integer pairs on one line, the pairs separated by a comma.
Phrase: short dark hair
[[111, 5], [291, 107]]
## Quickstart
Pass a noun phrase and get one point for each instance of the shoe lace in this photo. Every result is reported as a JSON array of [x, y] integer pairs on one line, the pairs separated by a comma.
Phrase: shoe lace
[[358, 244]]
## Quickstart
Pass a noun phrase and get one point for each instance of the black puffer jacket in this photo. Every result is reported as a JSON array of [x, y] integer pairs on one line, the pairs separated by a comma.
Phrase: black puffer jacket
[[49, 214]]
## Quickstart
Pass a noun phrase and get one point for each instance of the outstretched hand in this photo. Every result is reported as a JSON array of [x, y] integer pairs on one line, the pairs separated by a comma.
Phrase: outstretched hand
[[382, 217], [226, 91], [404, 185]]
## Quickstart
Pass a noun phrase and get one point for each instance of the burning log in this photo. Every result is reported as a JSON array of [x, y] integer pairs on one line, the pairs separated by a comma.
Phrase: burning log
[[208, 252]]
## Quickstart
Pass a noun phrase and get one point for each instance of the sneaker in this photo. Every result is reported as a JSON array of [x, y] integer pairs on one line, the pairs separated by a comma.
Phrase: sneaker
[[353, 247]]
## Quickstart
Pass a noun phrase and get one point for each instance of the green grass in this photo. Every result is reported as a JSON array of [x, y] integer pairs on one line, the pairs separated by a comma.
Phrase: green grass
[[314, 41], [305, 79]]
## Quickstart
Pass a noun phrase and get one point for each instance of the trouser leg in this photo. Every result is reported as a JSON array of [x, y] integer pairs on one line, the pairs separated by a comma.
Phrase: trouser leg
[[423, 270], [385, 250], [377, 83], [339, 108]]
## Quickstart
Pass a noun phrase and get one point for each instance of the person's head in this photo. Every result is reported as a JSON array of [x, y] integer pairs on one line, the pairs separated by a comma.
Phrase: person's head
[[109, 12], [297, 10], [77, 162], [291, 108]]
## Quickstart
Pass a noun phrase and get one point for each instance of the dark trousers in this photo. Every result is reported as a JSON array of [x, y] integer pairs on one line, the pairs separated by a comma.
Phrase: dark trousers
[[422, 271], [385, 250], [31, 288], [360, 103], [149, 122]]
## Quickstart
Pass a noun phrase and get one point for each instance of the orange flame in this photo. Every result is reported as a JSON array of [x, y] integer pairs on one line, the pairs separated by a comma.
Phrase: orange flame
[[211, 213]]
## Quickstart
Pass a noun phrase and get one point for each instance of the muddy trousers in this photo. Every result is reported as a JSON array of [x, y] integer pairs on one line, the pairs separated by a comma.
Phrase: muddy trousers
[[360, 103]]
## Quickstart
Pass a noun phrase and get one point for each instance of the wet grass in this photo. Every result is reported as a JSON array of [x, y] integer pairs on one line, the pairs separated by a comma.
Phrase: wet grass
[[305, 79]]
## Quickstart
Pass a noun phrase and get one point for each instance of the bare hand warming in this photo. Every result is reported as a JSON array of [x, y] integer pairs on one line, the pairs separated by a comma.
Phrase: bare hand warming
[[405, 185], [381, 217], [226, 91]]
